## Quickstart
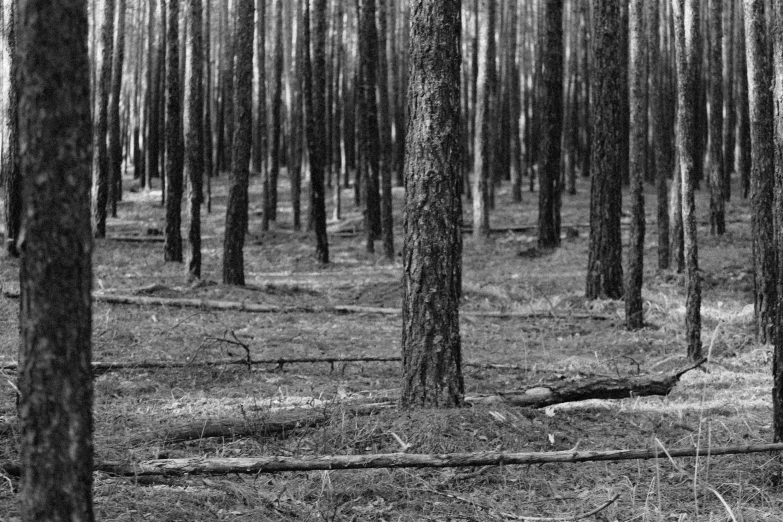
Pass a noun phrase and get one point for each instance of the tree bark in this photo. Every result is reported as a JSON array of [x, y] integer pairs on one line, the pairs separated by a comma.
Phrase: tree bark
[[237, 206], [12, 179], [729, 102], [634, 317], [315, 101], [761, 175], [550, 184], [777, 359], [715, 141], [260, 127], [172, 247], [385, 142], [100, 157], [686, 43], [743, 109], [660, 133], [270, 185], [114, 142], [153, 96], [604, 268], [55, 384], [481, 143], [431, 346], [194, 135]]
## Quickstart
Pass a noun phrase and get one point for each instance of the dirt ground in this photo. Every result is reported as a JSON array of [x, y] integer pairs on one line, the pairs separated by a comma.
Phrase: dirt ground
[[727, 402]]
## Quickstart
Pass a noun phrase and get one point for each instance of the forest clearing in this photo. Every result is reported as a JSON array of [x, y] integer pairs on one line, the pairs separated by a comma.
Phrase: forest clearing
[[726, 402]]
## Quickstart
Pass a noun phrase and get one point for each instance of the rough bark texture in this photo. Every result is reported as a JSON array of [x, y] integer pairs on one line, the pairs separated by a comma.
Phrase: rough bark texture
[[715, 142], [237, 206], [605, 268], [743, 110], [729, 103], [637, 165], [315, 101], [481, 146], [153, 96], [387, 222], [259, 129], [115, 144], [276, 154], [12, 179], [55, 384], [659, 134], [777, 360], [431, 347], [551, 100], [100, 157], [194, 135], [761, 175], [686, 46], [172, 247]]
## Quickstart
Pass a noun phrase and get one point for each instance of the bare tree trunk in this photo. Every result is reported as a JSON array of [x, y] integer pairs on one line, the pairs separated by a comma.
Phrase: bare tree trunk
[[172, 247], [114, 144], [260, 127], [270, 208], [431, 348], [687, 45], [481, 145], [54, 376], [237, 206], [153, 97], [208, 96], [743, 109], [715, 141], [100, 157], [387, 222], [634, 317], [659, 132], [762, 179], [729, 103], [604, 268], [194, 134], [12, 179]]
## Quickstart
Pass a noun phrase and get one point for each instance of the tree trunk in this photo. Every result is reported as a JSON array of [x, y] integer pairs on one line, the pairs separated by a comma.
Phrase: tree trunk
[[431, 349], [686, 44], [743, 109], [715, 141], [761, 175], [729, 103], [153, 96], [237, 206], [259, 129], [385, 145], [194, 135], [100, 157], [172, 247], [114, 144], [481, 145], [604, 269], [315, 87], [208, 91], [660, 133], [297, 124], [54, 376], [777, 360], [634, 317], [12, 180]]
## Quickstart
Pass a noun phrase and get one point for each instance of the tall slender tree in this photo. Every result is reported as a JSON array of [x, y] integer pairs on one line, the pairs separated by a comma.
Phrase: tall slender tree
[[276, 153], [385, 141], [55, 374], [100, 157], [659, 131], [761, 175], [604, 268], [777, 359], [638, 162], [194, 134], [687, 36], [172, 247], [431, 346], [12, 180], [482, 115], [715, 96], [550, 184], [237, 206], [113, 122], [729, 105]]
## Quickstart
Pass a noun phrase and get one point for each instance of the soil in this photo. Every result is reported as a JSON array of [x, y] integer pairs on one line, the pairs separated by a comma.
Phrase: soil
[[727, 402]]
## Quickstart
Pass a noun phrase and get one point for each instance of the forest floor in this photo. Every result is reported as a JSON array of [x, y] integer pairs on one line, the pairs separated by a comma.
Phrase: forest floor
[[726, 402]]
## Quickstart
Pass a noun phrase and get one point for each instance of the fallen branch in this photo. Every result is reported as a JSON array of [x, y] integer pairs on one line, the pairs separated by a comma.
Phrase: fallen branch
[[593, 388], [136, 239], [273, 464]]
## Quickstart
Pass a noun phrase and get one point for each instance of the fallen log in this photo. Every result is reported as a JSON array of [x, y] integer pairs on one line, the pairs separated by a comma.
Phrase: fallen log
[[602, 387], [136, 239], [273, 464]]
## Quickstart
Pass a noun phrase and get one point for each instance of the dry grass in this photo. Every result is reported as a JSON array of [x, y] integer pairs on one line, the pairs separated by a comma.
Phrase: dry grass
[[728, 403]]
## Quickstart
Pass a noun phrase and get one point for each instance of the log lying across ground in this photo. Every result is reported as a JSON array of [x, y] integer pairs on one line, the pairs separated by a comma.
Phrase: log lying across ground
[[273, 464], [593, 388]]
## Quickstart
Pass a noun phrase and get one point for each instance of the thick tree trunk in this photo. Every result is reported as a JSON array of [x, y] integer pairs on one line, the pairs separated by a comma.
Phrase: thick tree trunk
[[431, 347], [100, 157], [686, 44], [715, 141], [115, 144], [194, 135], [172, 247], [762, 178], [481, 144], [315, 100], [551, 102], [604, 269], [638, 163], [237, 206], [54, 376], [12, 179], [777, 360]]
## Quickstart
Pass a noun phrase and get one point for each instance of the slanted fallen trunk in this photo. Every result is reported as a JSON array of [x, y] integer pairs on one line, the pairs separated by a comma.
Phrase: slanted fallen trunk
[[592, 388]]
